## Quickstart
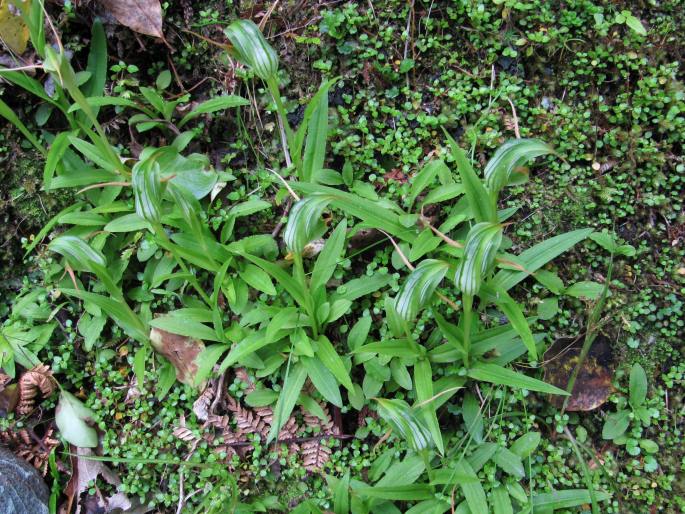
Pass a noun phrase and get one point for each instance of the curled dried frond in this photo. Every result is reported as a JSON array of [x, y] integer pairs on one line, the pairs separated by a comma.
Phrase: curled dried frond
[[38, 379]]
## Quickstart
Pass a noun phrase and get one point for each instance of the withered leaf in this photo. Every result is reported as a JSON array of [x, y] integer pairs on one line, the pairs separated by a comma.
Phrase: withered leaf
[[593, 384], [143, 16], [181, 351], [9, 397], [13, 30]]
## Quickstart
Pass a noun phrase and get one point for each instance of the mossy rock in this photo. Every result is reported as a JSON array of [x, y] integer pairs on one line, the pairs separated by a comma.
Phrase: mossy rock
[[22, 490]]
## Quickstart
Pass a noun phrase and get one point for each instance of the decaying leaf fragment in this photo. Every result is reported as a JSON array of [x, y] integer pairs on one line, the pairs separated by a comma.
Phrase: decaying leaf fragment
[[85, 470], [143, 16], [9, 395], [13, 31], [593, 385], [181, 351]]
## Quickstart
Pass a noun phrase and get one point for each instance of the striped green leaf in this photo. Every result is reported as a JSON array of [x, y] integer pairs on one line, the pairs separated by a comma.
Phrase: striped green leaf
[[482, 243], [406, 422], [510, 156], [251, 47], [77, 251], [147, 191], [304, 223], [482, 207], [419, 287]]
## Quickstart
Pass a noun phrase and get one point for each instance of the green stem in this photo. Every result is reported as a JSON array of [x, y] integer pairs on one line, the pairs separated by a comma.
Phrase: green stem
[[308, 299], [467, 300], [286, 131], [590, 335], [427, 463]]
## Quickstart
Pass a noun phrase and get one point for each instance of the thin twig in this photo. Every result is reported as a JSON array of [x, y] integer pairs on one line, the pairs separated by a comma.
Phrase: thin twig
[[287, 186], [280, 223]]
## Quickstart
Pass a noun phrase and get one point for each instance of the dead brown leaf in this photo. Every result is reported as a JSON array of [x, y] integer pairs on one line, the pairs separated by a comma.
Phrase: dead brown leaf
[[593, 384], [181, 352], [143, 16], [9, 397], [84, 471]]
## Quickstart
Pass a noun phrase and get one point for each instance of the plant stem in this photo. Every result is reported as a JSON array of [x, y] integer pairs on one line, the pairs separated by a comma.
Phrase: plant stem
[[590, 335], [586, 470], [286, 131], [467, 300], [308, 300]]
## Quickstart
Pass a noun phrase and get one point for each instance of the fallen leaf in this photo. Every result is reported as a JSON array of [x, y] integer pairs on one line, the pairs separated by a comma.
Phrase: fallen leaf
[[9, 397], [85, 471], [593, 384], [181, 351], [13, 31], [71, 417], [143, 16]]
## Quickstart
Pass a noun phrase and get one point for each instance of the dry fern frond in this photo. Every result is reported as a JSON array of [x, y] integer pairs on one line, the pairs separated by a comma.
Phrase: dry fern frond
[[185, 434], [324, 427], [315, 454], [202, 405], [39, 379], [242, 375], [246, 420], [34, 451]]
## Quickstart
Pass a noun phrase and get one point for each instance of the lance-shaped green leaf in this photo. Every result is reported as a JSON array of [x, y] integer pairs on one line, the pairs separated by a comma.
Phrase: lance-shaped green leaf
[[537, 256], [315, 146], [292, 386], [77, 251], [147, 191], [329, 257], [82, 256], [514, 314], [311, 113], [502, 376], [251, 47], [423, 381], [304, 223], [218, 103], [425, 177], [419, 287], [510, 156], [482, 243], [406, 422], [482, 207], [566, 499], [188, 206], [7, 113], [368, 211], [118, 310]]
